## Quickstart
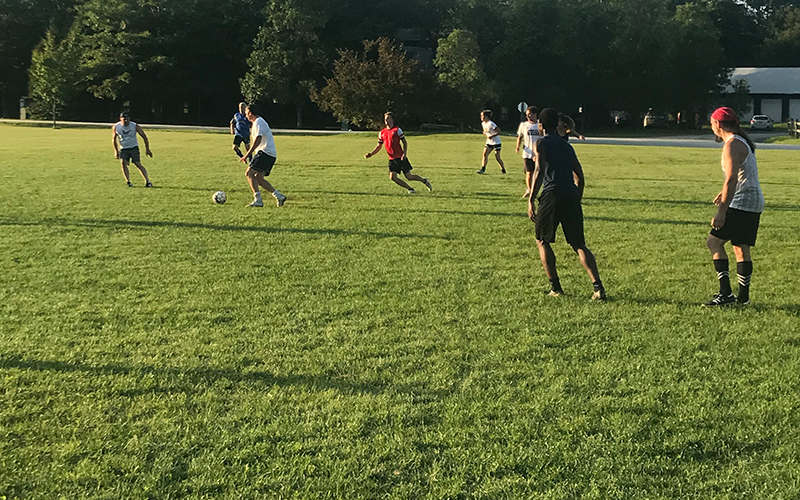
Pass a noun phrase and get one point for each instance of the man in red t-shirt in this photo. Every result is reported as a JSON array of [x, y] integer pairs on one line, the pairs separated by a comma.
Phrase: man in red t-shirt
[[391, 137]]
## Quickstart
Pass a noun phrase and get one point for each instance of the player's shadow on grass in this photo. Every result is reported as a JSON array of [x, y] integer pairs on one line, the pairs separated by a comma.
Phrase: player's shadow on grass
[[400, 194], [121, 223], [770, 206], [194, 380]]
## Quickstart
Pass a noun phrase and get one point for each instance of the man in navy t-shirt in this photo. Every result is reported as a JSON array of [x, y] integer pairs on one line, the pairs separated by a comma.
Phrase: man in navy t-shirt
[[240, 130], [559, 175]]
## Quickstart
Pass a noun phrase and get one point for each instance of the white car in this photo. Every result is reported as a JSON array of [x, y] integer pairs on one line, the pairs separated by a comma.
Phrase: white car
[[761, 122]]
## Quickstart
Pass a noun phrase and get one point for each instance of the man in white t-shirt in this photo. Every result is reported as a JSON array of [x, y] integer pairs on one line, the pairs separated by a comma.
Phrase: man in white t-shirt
[[527, 135], [263, 154], [126, 147], [492, 133]]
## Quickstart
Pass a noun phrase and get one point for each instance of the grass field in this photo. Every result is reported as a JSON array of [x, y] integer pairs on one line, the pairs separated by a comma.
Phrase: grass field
[[361, 343]]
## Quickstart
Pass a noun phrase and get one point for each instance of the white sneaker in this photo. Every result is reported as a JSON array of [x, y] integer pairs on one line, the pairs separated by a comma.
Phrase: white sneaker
[[428, 184], [280, 199], [256, 203]]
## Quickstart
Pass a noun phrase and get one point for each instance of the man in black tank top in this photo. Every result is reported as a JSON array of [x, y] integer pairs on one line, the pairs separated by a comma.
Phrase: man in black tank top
[[559, 175]]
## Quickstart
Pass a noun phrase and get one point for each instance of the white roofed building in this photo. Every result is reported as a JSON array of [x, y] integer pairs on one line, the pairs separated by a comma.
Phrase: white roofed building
[[775, 91]]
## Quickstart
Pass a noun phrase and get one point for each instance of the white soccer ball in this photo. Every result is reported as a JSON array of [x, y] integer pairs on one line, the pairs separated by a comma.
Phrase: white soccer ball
[[219, 197]]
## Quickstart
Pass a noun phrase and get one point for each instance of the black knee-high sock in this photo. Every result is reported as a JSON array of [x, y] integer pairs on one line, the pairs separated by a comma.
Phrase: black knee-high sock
[[721, 266], [744, 271]]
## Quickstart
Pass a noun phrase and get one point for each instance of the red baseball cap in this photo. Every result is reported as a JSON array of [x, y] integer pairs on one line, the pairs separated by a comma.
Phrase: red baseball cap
[[725, 114]]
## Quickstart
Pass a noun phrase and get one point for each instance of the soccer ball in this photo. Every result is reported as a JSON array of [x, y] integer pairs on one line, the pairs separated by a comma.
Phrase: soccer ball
[[219, 197]]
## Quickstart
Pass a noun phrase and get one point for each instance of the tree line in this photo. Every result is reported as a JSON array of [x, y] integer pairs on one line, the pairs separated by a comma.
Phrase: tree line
[[315, 62]]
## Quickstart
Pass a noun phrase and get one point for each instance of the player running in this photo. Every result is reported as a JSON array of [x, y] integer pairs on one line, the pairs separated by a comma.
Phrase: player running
[[391, 138], [263, 145], [124, 132], [527, 135], [740, 205], [556, 172], [493, 143], [240, 130]]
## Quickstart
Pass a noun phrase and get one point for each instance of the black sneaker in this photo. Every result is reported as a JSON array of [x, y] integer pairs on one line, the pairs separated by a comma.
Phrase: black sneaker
[[503, 171], [721, 300], [148, 185], [130, 184], [600, 295], [481, 171], [742, 301]]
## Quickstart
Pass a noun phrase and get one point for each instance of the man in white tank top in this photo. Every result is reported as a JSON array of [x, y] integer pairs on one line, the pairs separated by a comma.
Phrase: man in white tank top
[[740, 205], [126, 146]]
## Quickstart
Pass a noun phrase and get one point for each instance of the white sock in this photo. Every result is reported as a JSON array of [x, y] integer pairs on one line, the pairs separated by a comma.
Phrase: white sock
[[277, 194]]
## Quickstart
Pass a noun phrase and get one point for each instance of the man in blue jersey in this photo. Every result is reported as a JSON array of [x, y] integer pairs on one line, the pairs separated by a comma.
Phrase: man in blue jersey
[[240, 130], [559, 175]]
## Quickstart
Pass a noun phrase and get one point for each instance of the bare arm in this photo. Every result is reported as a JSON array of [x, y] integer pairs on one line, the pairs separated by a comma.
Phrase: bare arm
[[232, 132], [577, 135], [519, 141], [539, 159], [577, 176], [374, 151], [114, 140], [140, 131], [733, 153], [405, 147], [252, 148]]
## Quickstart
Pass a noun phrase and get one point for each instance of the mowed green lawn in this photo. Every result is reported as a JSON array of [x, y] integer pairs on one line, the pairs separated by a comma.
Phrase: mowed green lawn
[[361, 343]]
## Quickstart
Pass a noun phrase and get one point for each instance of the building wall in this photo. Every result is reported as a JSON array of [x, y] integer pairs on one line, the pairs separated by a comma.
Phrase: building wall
[[794, 109]]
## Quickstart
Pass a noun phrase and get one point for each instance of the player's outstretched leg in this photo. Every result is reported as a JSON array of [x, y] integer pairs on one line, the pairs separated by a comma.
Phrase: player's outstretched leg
[[415, 177], [143, 171], [400, 182]]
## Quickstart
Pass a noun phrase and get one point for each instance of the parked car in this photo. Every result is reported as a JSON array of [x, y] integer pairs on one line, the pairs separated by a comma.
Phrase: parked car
[[655, 120], [761, 122]]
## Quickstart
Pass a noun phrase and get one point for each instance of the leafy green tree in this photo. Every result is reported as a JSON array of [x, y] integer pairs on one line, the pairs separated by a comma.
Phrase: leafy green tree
[[54, 74], [366, 85], [697, 59], [288, 55], [782, 46], [23, 24], [459, 67]]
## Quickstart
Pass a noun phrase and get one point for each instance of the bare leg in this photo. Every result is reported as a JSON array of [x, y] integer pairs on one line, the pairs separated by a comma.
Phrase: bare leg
[[252, 179], [717, 247], [414, 177], [499, 160], [265, 183], [125, 171], [548, 258], [742, 253], [397, 180], [528, 180], [237, 151], [589, 262], [485, 157], [142, 170]]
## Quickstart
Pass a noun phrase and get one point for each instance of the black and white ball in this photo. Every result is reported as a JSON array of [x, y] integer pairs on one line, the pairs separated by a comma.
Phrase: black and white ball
[[219, 197]]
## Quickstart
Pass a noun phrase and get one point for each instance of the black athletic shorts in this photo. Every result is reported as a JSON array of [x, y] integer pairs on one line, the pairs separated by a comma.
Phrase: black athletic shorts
[[262, 162], [238, 139], [565, 209], [397, 165], [496, 147], [741, 227], [129, 154], [530, 164]]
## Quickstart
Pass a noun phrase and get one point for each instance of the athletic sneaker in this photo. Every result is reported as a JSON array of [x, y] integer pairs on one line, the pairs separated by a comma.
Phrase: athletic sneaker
[[742, 303], [481, 171], [257, 203], [503, 171], [599, 294], [411, 191], [428, 184], [721, 300], [555, 293], [281, 200], [130, 184], [148, 184]]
